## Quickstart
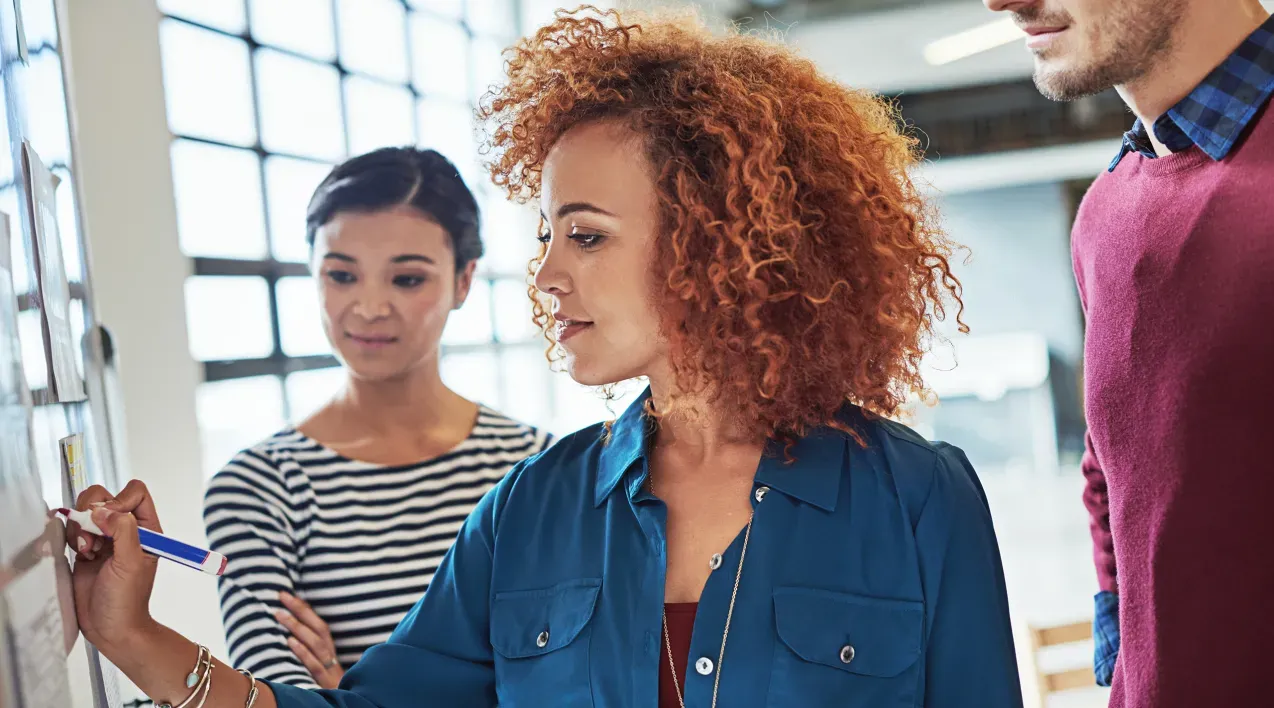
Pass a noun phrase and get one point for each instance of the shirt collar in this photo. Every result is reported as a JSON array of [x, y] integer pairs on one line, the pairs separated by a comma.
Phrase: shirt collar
[[1216, 113], [814, 477]]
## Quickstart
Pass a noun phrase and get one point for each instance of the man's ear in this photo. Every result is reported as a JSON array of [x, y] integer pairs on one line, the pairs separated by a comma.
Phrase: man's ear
[[464, 281]]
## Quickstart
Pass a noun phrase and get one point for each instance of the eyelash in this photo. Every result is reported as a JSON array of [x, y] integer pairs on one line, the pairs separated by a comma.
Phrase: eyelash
[[407, 282], [585, 241]]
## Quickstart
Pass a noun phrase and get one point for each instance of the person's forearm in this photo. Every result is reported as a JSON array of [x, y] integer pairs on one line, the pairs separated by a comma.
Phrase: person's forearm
[[159, 660]]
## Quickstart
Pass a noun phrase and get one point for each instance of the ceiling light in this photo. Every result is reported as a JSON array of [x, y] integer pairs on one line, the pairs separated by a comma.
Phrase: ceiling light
[[972, 41]]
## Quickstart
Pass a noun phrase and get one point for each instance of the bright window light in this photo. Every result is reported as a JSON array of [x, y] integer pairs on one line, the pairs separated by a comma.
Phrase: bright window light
[[972, 41]]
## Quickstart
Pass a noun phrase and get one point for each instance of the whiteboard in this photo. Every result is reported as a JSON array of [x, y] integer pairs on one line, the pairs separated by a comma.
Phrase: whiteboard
[[51, 381]]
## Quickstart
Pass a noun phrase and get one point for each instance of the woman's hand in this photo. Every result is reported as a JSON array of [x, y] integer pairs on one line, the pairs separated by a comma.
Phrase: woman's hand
[[113, 576], [311, 641]]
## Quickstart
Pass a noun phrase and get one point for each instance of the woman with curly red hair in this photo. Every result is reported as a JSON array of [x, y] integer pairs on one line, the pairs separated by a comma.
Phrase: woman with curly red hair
[[724, 221]]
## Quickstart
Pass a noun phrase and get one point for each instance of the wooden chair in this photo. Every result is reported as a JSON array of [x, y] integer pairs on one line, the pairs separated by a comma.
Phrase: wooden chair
[[1052, 681]]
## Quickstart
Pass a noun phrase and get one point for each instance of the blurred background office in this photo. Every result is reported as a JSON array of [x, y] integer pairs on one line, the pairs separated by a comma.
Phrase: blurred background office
[[200, 127]]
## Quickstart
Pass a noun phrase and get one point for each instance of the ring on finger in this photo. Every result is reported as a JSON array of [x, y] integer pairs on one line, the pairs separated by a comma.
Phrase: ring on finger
[[329, 663]]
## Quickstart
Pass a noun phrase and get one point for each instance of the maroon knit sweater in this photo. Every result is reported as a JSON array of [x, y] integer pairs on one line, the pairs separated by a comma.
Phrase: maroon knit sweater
[[1175, 263]]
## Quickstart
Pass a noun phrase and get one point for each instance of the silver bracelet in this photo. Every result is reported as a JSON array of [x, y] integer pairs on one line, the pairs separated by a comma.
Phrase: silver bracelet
[[196, 679], [207, 684], [252, 689]]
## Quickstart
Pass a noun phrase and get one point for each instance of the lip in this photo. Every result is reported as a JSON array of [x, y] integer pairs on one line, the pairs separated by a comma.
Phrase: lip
[[568, 327], [1041, 36], [368, 341]]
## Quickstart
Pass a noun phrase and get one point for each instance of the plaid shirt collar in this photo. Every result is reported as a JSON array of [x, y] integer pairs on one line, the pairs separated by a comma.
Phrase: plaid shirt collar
[[1217, 111]]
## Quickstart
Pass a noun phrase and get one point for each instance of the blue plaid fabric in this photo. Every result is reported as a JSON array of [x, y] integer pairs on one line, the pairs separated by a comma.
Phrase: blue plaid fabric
[[1219, 109], [1105, 636]]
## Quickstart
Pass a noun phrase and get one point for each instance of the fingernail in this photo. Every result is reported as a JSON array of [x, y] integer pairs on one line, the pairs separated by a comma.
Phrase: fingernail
[[80, 544], [97, 545], [97, 505], [283, 616], [102, 516]]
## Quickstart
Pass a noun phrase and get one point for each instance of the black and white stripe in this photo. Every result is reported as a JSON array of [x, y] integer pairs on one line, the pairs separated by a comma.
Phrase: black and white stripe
[[359, 542]]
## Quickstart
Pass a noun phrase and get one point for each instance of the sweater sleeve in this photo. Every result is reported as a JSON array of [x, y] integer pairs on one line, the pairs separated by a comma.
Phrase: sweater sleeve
[[251, 517], [1095, 497]]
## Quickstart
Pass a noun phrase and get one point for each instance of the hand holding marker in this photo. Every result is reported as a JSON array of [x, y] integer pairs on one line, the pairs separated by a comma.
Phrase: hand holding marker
[[158, 544]]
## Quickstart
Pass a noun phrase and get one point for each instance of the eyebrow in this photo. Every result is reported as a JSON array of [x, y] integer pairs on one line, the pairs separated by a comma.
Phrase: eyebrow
[[412, 258], [405, 258], [581, 207]]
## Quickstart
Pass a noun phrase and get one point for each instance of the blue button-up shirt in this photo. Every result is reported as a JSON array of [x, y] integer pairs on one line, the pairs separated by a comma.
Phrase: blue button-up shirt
[[552, 594], [1216, 114]]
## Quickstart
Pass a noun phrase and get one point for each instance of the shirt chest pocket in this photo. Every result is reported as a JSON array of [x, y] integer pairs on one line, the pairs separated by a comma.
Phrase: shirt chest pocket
[[843, 650], [541, 640]]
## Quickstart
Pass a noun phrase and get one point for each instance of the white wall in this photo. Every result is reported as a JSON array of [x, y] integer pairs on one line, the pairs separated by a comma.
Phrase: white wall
[[121, 136]]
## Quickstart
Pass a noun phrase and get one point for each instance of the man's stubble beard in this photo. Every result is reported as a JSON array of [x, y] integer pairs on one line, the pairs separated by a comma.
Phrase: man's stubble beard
[[1141, 44]]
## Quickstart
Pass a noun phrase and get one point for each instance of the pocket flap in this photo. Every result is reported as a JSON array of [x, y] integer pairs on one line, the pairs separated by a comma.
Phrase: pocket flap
[[527, 623], [853, 633]]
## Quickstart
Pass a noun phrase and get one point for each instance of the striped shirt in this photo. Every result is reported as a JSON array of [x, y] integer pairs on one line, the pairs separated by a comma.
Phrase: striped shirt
[[358, 541]]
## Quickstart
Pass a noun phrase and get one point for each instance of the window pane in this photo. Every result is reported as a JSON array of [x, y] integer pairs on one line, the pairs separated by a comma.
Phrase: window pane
[[289, 184], [379, 115], [527, 377], [78, 327], [236, 414], [300, 326], [39, 24], [449, 129], [206, 84], [471, 324], [513, 312], [442, 8], [488, 64], [300, 106], [374, 38], [17, 241], [440, 57], [218, 194], [492, 17], [46, 125], [307, 390], [223, 14], [474, 376], [303, 26], [228, 317], [31, 338], [68, 226], [508, 232]]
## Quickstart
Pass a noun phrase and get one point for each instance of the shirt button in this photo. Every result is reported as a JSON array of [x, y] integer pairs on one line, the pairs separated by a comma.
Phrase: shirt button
[[703, 666], [846, 654], [542, 640], [761, 492], [715, 562]]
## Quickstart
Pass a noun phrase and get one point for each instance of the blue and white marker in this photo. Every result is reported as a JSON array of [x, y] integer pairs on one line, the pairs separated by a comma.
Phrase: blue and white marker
[[159, 545]]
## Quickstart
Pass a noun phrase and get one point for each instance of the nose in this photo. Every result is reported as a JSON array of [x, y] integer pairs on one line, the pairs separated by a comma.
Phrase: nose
[[372, 303], [551, 277]]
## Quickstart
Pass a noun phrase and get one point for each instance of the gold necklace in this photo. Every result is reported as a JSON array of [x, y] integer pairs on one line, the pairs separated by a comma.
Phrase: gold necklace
[[729, 615]]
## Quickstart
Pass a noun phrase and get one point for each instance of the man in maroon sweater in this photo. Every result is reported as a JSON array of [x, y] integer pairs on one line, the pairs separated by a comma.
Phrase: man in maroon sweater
[[1174, 256]]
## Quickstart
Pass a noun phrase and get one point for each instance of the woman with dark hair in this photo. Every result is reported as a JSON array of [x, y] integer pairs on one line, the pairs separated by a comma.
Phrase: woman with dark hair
[[726, 222], [335, 527]]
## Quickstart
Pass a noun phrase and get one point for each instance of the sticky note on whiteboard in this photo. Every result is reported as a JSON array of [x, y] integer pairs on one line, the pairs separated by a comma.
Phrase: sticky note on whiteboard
[[73, 463]]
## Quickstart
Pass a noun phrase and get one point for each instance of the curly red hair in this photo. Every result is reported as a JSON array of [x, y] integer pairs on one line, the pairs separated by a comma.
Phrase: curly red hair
[[801, 267]]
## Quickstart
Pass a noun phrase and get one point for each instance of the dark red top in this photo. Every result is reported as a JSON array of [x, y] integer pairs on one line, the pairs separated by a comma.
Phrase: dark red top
[[681, 623], [1175, 259]]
